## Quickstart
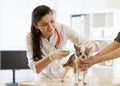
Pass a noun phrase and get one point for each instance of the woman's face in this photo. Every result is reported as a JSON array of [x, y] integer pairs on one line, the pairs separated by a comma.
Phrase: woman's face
[[46, 25]]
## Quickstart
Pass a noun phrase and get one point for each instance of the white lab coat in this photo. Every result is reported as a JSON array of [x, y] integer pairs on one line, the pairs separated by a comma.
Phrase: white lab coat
[[54, 69]]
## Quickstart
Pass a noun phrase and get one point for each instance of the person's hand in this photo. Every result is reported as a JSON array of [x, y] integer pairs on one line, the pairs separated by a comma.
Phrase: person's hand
[[85, 64], [58, 54]]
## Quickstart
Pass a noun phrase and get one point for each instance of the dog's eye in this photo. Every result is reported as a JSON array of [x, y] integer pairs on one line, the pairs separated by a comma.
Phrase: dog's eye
[[80, 53]]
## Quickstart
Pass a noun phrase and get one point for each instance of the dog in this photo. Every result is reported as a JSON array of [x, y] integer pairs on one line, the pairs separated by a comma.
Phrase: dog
[[81, 53]]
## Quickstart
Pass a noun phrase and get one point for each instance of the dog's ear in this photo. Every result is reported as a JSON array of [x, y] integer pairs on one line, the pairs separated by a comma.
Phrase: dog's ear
[[76, 47]]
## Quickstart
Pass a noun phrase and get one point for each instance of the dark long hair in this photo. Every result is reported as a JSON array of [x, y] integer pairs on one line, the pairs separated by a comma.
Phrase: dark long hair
[[37, 15]]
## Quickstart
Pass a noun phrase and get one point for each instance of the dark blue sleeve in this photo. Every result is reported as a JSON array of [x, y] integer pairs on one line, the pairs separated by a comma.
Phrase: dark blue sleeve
[[118, 37]]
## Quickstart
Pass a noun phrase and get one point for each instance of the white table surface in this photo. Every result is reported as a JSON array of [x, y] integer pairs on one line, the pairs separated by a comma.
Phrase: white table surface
[[91, 81]]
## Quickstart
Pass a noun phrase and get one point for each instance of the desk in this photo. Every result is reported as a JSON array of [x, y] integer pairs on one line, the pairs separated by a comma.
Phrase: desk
[[91, 80]]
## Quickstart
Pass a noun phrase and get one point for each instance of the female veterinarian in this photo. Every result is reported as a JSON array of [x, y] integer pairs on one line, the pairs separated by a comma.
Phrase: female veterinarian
[[110, 52], [46, 42]]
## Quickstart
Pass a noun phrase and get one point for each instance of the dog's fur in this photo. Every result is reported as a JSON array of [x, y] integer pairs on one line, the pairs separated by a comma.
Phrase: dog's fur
[[80, 53]]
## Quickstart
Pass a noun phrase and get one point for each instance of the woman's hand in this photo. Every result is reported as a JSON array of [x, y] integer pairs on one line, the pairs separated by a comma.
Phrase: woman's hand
[[58, 54]]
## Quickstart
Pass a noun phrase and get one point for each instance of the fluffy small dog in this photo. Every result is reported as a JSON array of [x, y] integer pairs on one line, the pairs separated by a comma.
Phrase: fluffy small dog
[[81, 53]]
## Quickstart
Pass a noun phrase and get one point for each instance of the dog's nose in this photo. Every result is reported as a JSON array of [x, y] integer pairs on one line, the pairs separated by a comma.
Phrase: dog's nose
[[83, 57]]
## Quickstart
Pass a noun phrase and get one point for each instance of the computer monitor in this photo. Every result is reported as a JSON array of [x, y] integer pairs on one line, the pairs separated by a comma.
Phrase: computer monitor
[[13, 60]]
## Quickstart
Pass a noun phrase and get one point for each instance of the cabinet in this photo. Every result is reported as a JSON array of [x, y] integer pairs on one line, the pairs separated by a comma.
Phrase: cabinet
[[101, 26], [104, 25], [80, 23], [98, 25]]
